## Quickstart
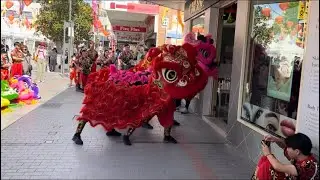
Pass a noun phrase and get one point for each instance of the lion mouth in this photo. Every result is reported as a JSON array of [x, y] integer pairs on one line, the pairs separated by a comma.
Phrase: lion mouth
[[204, 53]]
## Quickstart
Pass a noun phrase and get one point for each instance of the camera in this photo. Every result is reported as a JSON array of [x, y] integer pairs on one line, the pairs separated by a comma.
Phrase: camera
[[266, 142]]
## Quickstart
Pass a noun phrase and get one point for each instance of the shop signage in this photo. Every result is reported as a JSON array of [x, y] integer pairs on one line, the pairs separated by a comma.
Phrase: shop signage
[[135, 7], [194, 7], [129, 29], [165, 22], [129, 36], [308, 110], [301, 10]]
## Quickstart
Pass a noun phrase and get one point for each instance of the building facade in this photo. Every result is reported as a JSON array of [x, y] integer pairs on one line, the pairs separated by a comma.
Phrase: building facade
[[269, 69]]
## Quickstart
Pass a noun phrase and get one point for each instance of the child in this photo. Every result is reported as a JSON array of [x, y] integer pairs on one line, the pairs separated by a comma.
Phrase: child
[[72, 67]]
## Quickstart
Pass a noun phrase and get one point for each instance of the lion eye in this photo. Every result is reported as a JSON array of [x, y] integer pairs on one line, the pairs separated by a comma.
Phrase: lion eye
[[169, 75]]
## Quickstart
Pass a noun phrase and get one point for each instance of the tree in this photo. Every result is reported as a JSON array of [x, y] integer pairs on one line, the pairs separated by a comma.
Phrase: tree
[[261, 30], [52, 14]]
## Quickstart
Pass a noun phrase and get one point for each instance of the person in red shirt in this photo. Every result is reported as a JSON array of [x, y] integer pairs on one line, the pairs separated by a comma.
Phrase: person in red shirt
[[17, 59], [297, 149], [72, 67]]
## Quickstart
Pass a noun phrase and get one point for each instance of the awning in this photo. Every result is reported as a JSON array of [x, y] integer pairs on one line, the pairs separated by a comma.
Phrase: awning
[[178, 5]]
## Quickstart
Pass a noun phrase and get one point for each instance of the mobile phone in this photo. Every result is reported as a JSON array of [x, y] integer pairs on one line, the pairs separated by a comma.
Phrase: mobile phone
[[266, 142]]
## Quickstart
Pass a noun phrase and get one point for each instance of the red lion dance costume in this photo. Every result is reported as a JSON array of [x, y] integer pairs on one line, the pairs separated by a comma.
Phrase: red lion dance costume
[[175, 74], [206, 53]]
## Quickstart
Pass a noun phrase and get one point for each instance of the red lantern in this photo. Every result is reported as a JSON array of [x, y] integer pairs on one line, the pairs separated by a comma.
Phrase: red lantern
[[9, 4], [11, 17], [106, 33], [279, 19], [284, 6], [266, 12], [289, 24], [27, 2]]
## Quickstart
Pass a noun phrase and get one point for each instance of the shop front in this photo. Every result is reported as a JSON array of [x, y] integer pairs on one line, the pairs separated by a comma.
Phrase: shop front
[[268, 54]]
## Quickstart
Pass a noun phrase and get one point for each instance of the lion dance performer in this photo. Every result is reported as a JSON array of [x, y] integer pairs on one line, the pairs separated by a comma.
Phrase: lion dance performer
[[175, 74], [206, 53]]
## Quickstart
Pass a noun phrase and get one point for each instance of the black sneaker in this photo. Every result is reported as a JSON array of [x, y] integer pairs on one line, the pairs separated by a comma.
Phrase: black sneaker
[[176, 123], [113, 133], [147, 125], [169, 139], [77, 139], [126, 140], [78, 87]]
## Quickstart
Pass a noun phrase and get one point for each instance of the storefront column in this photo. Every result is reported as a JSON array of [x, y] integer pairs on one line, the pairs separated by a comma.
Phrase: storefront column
[[208, 95], [238, 67]]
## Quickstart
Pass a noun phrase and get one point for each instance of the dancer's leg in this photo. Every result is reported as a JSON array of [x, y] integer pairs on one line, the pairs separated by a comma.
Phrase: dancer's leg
[[167, 136], [77, 138], [126, 138]]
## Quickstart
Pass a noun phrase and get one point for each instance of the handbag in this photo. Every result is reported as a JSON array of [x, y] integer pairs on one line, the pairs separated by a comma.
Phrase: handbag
[[35, 58]]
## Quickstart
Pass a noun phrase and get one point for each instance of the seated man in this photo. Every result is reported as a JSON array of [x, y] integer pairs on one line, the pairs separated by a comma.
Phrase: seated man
[[297, 149]]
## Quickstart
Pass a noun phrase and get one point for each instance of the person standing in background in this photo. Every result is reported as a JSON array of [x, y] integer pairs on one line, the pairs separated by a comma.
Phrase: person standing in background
[[72, 71], [85, 67], [27, 67], [41, 55], [93, 55], [140, 53], [17, 59], [5, 63], [125, 57], [53, 59]]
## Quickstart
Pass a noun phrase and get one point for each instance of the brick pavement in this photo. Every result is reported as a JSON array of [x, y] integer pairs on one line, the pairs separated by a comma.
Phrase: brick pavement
[[53, 85], [39, 146]]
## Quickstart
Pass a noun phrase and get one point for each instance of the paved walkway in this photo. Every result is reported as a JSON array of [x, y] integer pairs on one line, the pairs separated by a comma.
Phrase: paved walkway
[[39, 146], [53, 85]]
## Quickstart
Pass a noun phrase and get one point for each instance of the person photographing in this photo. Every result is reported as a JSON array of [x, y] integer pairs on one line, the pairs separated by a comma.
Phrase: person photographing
[[297, 149]]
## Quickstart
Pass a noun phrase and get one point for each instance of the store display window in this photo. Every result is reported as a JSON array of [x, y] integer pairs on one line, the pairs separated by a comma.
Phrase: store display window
[[274, 63], [197, 25]]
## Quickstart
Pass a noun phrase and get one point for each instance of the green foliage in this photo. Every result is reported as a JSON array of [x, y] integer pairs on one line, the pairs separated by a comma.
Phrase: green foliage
[[291, 13], [261, 31], [53, 13]]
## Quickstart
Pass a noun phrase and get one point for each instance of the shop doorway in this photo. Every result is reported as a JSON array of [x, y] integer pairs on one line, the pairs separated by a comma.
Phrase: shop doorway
[[225, 55]]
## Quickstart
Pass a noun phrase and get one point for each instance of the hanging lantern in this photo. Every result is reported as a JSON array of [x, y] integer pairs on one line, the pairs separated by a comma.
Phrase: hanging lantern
[[11, 17], [279, 19], [9, 4], [289, 24], [105, 33], [284, 6], [27, 2], [266, 12]]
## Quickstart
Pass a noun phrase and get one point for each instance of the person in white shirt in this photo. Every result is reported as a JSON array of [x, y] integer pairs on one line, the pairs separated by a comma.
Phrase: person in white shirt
[[40, 58]]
